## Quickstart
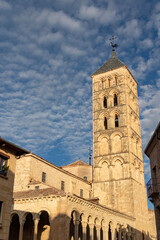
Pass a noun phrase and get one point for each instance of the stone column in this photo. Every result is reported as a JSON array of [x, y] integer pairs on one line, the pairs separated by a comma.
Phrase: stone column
[[113, 234], [129, 235], [105, 233], [36, 221], [21, 229], [91, 227], [124, 235], [84, 230], [119, 235], [98, 232], [76, 225]]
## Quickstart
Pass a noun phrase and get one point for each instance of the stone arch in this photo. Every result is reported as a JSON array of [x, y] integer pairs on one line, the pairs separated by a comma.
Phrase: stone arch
[[102, 116], [116, 142], [117, 171], [104, 171], [134, 144], [114, 91], [74, 215], [14, 226], [114, 112], [43, 225], [103, 145], [110, 230], [117, 158], [89, 222], [44, 209], [28, 228]]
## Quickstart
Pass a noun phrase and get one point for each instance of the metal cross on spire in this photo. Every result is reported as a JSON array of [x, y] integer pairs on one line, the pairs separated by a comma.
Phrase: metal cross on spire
[[112, 42]]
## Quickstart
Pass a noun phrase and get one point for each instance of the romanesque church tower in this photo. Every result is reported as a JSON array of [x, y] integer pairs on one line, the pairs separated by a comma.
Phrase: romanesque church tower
[[118, 175]]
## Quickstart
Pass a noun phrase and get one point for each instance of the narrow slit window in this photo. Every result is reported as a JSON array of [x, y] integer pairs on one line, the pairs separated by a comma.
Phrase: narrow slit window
[[115, 100], [62, 185], [81, 193], [109, 82], [116, 80], [105, 102], [105, 123], [1, 203], [43, 177], [3, 165], [116, 121]]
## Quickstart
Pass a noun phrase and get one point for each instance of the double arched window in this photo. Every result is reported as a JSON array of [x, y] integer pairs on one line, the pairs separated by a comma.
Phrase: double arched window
[[115, 100], [105, 102]]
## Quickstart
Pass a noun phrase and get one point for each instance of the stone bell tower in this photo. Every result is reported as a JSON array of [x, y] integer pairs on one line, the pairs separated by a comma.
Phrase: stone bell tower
[[118, 176]]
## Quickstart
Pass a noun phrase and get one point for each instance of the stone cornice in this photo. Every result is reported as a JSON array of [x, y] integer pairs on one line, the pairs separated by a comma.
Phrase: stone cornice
[[76, 199], [97, 207]]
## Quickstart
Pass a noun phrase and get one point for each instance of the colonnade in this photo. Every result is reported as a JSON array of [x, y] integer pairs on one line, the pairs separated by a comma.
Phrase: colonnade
[[29, 226], [93, 229]]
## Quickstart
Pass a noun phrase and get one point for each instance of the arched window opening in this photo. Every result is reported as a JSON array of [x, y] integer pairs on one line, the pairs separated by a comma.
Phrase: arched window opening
[[105, 102], [116, 80], [105, 123], [109, 82], [116, 120], [109, 233], [14, 228], [28, 229], [43, 226], [115, 100], [101, 234]]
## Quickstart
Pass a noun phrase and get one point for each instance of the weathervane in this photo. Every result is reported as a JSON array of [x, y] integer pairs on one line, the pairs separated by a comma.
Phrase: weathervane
[[90, 155], [113, 44]]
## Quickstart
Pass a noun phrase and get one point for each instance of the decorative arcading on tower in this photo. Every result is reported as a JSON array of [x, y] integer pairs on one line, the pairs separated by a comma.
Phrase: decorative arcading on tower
[[118, 176]]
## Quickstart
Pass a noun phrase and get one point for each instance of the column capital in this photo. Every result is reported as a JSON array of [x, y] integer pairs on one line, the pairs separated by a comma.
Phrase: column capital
[[76, 222], [22, 221], [98, 227], [91, 226], [104, 228], [84, 224]]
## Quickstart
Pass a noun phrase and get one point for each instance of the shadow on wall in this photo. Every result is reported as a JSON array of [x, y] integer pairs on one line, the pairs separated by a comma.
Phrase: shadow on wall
[[39, 226]]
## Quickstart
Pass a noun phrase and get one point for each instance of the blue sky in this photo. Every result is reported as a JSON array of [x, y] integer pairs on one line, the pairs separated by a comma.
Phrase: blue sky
[[49, 49]]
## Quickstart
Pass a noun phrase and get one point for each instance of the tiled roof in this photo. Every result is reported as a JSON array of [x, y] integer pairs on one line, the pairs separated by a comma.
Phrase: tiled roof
[[111, 64], [77, 163], [38, 193]]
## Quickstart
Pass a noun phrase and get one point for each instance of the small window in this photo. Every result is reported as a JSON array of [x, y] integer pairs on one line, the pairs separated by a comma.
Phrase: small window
[[116, 82], [3, 165], [81, 193], [115, 100], [43, 177], [109, 82], [62, 185], [85, 178], [36, 187], [105, 102], [105, 123], [1, 203], [116, 121]]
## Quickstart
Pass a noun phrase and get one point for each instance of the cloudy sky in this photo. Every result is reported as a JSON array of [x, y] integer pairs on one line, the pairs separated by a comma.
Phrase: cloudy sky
[[49, 49]]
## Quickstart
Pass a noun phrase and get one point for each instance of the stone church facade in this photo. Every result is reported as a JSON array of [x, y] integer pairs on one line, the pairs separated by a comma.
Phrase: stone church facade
[[106, 201]]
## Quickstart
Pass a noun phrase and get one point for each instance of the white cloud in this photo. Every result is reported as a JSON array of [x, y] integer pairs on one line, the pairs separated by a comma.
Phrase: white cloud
[[4, 5], [99, 15]]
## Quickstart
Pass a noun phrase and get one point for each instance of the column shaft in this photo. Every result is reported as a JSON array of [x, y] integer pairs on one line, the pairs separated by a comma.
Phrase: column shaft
[[36, 228], [84, 231], [91, 233], [76, 225], [21, 231], [98, 234]]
